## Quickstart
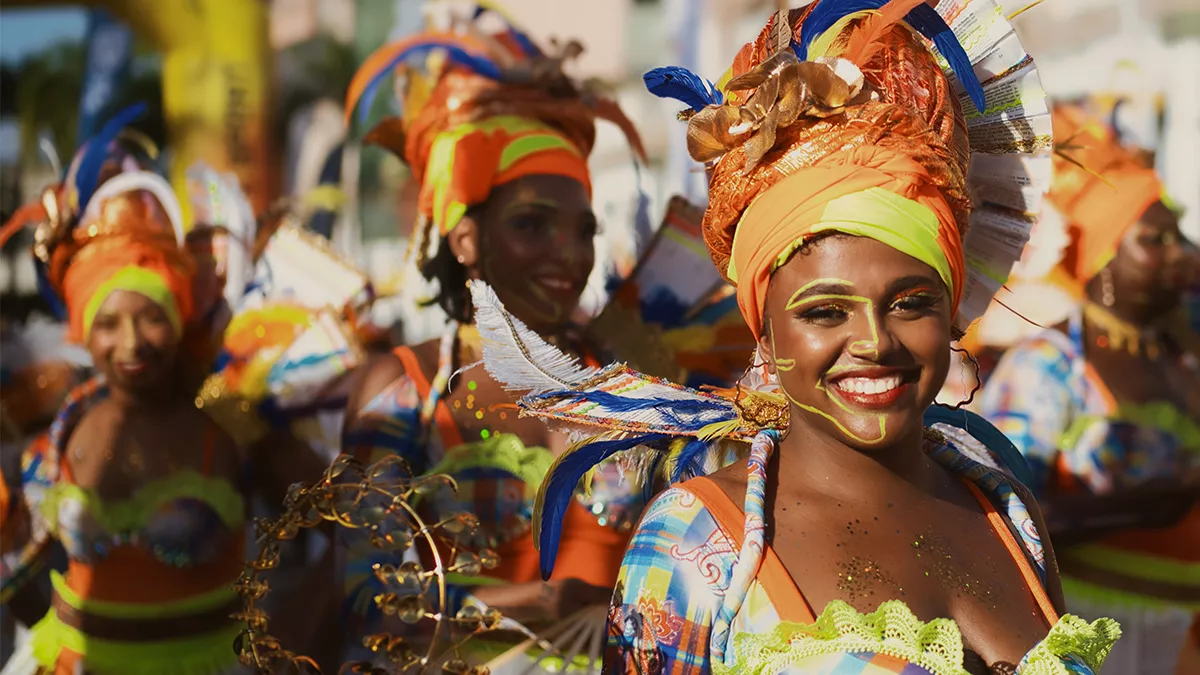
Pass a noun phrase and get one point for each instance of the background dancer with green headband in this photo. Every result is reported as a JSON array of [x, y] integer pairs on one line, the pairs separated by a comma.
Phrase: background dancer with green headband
[[498, 138]]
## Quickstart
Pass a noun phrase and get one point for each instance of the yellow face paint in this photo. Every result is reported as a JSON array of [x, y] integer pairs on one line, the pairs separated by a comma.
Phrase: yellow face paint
[[863, 348], [796, 300]]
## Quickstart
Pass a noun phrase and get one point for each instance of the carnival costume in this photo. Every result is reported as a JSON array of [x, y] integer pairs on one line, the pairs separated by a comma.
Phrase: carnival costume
[[1077, 437], [283, 328], [479, 106], [837, 118], [165, 557]]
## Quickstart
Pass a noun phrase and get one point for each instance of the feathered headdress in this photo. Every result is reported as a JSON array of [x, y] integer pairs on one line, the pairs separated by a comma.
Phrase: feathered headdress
[[112, 224], [871, 97], [883, 89], [477, 99]]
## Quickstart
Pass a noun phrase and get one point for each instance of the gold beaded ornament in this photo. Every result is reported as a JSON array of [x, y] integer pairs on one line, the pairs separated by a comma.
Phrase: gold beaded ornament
[[376, 499]]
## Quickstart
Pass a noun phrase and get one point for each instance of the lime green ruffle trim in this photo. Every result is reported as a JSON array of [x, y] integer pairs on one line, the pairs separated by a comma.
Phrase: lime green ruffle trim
[[892, 630], [131, 515], [196, 604], [201, 655], [895, 631], [1100, 595], [1071, 637], [505, 452]]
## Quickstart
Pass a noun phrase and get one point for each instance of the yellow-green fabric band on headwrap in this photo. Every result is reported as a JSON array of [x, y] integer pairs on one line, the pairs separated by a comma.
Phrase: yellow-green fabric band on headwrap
[[466, 162], [883, 215], [139, 280]]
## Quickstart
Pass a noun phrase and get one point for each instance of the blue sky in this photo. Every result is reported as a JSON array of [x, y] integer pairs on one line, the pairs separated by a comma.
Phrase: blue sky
[[27, 31]]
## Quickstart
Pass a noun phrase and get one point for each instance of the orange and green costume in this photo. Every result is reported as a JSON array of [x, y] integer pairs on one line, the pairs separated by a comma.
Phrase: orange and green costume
[[475, 114]]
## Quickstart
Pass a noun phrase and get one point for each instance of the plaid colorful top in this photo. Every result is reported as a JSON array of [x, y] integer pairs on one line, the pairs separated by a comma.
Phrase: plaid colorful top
[[1078, 439], [1058, 412], [693, 599], [497, 480]]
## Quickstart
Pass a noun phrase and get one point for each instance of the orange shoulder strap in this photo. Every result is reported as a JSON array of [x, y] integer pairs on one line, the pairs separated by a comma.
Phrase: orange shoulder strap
[[442, 417], [789, 602], [1018, 554]]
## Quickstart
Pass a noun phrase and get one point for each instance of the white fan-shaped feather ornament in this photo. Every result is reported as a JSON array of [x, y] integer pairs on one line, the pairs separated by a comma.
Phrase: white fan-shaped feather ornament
[[1011, 147], [518, 358], [559, 388]]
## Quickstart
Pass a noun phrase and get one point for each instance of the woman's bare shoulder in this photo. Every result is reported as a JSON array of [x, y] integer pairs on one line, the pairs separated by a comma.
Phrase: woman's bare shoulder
[[382, 370]]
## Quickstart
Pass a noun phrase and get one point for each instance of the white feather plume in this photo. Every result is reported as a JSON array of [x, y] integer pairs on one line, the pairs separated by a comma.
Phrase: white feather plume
[[518, 358]]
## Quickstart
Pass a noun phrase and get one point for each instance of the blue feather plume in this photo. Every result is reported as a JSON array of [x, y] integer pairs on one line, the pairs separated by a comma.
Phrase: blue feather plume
[[683, 85], [87, 179], [664, 406], [46, 290], [931, 24], [824, 15], [689, 463], [923, 18], [559, 489], [479, 65]]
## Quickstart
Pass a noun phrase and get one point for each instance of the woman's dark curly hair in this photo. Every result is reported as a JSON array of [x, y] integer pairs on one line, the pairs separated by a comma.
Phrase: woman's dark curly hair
[[451, 277]]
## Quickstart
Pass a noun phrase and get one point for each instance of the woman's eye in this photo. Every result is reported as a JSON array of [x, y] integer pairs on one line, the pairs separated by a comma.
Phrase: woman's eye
[[155, 319], [530, 223], [824, 314], [915, 303], [1159, 239]]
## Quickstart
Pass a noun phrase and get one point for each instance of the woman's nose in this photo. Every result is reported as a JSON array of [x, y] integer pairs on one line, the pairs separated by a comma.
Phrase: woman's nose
[[568, 246], [128, 339], [870, 338]]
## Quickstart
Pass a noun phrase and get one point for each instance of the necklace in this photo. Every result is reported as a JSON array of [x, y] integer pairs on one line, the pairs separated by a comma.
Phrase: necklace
[[1117, 333]]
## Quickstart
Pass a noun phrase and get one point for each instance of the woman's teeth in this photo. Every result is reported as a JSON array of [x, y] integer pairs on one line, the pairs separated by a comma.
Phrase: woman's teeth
[[869, 385]]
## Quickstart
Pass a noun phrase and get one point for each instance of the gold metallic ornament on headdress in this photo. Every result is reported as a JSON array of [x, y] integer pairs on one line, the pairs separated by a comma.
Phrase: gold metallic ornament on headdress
[[781, 89]]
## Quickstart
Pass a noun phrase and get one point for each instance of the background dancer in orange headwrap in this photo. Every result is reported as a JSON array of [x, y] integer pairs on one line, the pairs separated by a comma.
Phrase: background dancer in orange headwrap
[[498, 138], [144, 491], [1106, 407]]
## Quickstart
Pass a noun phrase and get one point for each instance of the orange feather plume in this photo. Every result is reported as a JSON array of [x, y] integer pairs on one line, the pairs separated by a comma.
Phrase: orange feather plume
[[867, 38]]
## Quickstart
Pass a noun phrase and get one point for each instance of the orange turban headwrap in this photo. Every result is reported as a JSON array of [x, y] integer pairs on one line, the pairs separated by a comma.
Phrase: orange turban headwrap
[[887, 162], [127, 243], [479, 113], [1100, 188]]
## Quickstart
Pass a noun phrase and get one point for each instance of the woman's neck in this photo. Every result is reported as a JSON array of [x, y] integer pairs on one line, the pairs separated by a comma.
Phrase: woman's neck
[[809, 457], [1137, 314], [158, 399]]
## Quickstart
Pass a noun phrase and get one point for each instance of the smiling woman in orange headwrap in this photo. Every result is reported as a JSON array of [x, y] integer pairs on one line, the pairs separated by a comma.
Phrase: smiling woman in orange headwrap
[[1104, 405], [867, 532]]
